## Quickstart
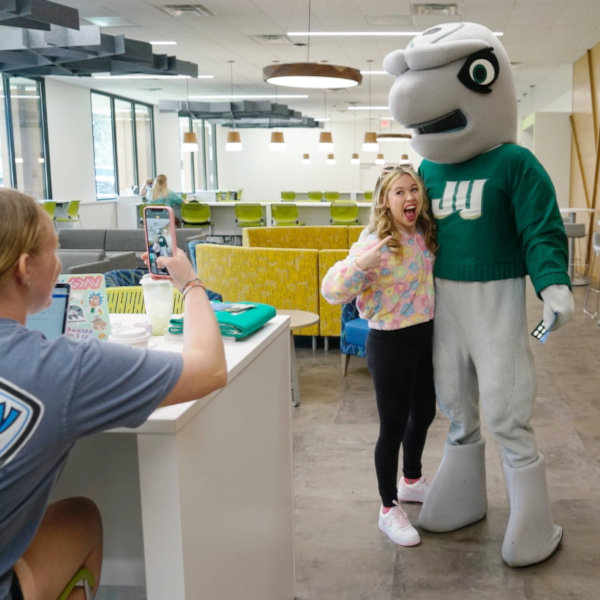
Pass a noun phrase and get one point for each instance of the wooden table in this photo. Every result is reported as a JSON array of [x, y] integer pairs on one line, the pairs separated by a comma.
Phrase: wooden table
[[298, 320]]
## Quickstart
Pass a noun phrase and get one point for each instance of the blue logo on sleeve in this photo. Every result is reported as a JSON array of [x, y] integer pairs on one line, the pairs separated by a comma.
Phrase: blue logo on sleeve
[[20, 414]]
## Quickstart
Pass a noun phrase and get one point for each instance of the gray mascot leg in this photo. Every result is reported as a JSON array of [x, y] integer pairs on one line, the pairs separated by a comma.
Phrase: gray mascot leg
[[457, 496], [531, 535]]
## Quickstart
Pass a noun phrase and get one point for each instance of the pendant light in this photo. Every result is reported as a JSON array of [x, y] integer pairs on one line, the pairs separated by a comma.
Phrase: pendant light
[[190, 141], [234, 140], [312, 75], [355, 159], [305, 159], [370, 140], [325, 137], [380, 160], [330, 159], [277, 143]]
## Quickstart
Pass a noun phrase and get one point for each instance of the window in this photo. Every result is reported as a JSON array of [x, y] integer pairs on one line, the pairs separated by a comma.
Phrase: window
[[199, 169], [123, 132], [23, 154]]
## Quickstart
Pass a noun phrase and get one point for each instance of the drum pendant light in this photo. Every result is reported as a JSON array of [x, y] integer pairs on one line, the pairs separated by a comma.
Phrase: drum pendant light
[[311, 75], [190, 141], [370, 139], [234, 139]]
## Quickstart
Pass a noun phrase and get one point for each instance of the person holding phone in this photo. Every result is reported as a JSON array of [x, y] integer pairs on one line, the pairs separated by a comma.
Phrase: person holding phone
[[102, 386], [390, 273]]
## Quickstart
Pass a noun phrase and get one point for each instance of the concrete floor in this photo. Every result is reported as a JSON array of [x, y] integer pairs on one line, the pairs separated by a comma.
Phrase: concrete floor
[[342, 555]]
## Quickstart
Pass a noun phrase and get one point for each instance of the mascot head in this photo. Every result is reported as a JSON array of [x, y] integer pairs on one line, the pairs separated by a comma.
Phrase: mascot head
[[454, 89]]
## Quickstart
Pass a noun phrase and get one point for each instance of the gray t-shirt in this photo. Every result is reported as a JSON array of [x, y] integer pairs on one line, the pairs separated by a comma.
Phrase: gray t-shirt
[[51, 394]]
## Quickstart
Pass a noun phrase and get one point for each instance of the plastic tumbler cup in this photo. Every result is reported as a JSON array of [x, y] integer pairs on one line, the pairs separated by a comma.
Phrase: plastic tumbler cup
[[158, 298]]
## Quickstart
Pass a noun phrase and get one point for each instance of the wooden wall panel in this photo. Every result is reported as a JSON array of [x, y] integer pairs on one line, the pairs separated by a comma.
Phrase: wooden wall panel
[[585, 127]]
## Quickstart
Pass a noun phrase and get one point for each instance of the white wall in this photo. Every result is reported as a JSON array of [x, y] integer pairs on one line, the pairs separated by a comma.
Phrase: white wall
[[548, 136], [69, 112], [168, 153], [263, 174]]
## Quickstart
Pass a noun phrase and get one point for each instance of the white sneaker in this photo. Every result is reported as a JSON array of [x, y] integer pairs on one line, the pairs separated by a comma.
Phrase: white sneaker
[[413, 492], [397, 527]]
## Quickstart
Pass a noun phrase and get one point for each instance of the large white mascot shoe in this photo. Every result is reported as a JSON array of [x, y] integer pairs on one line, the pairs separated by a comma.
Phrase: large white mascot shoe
[[531, 535], [457, 496]]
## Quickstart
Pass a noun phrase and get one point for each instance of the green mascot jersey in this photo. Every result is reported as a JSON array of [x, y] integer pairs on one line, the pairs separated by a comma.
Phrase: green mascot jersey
[[497, 218]]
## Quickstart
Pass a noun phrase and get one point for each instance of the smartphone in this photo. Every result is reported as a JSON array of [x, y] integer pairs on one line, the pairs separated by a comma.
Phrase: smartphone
[[159, 227], [541, 333]]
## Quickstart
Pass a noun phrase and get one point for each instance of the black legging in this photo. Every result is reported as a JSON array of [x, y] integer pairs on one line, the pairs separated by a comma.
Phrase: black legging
[[401, 367]]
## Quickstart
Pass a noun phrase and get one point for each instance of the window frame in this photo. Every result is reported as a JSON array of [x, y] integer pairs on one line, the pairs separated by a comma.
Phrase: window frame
[[139, 178]]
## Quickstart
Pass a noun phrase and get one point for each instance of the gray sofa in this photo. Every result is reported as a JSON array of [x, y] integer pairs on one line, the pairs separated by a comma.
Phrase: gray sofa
[[102, 250]]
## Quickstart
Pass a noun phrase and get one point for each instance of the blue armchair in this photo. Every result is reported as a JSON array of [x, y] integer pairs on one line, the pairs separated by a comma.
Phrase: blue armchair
[[353, 336]]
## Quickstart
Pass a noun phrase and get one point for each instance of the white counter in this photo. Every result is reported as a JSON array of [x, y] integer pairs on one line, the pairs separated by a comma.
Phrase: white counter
[[198, 501]]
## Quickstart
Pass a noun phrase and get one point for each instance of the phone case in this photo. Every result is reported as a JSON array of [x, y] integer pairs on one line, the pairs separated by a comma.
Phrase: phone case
[[159, 229]]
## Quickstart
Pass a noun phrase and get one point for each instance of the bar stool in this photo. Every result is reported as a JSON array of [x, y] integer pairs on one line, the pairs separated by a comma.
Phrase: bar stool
[[574, 231], [591, 286]]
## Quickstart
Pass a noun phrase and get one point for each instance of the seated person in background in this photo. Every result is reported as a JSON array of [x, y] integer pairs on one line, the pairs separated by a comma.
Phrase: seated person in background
[[146, 190], [161, 194], [101, 386]]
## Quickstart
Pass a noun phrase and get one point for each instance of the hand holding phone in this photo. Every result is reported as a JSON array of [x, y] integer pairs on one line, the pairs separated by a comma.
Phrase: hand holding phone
[[159, 228]]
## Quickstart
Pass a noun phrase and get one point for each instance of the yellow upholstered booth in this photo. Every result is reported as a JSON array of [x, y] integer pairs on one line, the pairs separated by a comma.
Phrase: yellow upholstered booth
[[332, 244], [282, 277]]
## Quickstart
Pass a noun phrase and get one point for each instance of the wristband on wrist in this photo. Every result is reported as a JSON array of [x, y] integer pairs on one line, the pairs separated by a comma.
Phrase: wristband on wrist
[[192, 283]]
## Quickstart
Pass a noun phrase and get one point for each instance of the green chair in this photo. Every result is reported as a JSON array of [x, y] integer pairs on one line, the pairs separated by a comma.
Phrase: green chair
[[343, 213], [331, 196], [83, 578], [72, 215], [196, 214], [315, 196], [288, 196], [249, 214], [284, 214], [129, 299], [368, 195], [50, 208]]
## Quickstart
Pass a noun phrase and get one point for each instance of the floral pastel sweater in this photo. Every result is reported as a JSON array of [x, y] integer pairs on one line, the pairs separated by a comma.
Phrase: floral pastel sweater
[[397, 294]]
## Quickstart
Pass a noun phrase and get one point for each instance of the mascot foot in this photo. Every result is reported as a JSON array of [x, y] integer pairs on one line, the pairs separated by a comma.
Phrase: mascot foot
[[457, 496], [531, 535]]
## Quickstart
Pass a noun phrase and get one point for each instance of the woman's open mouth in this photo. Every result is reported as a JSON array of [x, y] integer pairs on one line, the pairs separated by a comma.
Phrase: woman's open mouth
[[410, 212]]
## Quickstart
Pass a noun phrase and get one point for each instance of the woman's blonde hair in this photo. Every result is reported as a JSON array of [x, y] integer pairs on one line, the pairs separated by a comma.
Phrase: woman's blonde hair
[[160, 189], [382, 222], [20, 228]]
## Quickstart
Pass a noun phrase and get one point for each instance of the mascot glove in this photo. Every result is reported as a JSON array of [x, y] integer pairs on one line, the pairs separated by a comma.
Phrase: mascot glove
[[557, 299]]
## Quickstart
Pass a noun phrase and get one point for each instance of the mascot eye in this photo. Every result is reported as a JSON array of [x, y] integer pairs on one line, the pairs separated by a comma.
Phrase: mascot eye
[[479, 71]]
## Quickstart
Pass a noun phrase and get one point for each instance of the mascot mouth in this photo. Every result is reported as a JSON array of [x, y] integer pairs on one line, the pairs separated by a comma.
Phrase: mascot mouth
[[451, 122]]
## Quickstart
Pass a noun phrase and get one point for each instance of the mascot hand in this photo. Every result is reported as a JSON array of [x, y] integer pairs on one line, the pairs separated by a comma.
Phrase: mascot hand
[[557, 299]]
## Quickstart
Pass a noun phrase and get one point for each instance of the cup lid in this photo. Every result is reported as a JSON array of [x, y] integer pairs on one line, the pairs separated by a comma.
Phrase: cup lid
[[129, 335]]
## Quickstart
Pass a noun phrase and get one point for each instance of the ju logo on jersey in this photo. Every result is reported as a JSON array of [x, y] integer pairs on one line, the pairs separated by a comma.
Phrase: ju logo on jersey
[[20, 415], [462, 197]]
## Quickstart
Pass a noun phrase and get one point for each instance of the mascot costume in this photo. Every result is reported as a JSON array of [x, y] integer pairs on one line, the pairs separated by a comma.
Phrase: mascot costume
[[497, 220]]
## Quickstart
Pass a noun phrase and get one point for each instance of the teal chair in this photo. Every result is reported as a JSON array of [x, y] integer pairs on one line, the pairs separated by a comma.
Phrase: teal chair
[[343, 213], [249, 214], [315, 196], [284, 214], [72, 215], [288, 196]]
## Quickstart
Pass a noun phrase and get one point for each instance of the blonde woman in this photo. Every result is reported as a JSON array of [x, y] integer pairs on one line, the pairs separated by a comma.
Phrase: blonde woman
[[390, 273], [101, 386]]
